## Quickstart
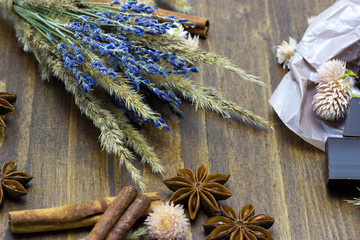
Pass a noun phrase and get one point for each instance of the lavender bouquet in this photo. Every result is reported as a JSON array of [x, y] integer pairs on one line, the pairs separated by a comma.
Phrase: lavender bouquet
[[111, 57]]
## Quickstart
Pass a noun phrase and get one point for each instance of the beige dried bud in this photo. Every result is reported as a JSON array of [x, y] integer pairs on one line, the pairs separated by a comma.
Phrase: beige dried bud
[[332, 99]]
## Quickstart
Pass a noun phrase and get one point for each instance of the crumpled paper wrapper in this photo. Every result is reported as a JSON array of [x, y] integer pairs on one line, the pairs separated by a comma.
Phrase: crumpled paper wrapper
[[335, 33]]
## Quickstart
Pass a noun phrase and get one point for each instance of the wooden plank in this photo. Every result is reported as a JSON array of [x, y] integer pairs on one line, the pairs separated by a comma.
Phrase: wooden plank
[[277, 172]]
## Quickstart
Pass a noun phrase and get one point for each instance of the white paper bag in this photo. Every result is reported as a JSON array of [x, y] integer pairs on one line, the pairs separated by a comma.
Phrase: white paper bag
[[335, 33]]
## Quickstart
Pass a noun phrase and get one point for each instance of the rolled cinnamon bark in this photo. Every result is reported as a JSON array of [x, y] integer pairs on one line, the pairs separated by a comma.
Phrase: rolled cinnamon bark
[[117, 207], [64, 217], [130, 216]]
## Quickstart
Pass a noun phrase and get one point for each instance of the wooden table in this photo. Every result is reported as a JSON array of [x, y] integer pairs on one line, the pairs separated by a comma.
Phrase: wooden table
[[277, 172]]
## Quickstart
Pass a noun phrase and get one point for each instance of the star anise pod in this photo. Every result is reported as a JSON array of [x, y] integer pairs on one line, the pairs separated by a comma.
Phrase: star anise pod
[[247, 226], [12, 181], [6, 101], [198, 188]]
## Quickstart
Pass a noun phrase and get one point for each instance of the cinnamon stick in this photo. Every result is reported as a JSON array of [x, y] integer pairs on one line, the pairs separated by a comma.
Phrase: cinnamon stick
[[117, 207], [64, 217], [202, 24], [128, 219]]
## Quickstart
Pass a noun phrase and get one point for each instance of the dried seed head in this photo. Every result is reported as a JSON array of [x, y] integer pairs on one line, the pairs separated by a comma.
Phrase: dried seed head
[[167, 222], [311, 19], [332, 99], [192, 42], [285, 52], [331, 71]]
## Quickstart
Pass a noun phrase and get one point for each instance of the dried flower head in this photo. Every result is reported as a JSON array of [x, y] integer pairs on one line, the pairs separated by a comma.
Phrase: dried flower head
[[332, 99], [332, 70], [285, 52], [178, 32], [192, 43], [184, 36], [167, 222], [333, 94], [310, 19]]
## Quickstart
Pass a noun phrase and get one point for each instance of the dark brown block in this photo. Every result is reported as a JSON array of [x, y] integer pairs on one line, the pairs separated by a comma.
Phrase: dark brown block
[[352, 124], [343, 162]]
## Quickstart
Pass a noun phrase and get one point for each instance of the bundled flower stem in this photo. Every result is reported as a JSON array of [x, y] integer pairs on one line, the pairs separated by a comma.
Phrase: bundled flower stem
[[111, 57]]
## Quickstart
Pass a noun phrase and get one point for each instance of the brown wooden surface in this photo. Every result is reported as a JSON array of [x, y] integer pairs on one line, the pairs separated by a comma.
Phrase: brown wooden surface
[[277, 172]]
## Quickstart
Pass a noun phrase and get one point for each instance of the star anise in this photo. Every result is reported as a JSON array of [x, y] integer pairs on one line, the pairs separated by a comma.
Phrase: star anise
[[245, 227], [198, 188], [12, 181], [6, 101]]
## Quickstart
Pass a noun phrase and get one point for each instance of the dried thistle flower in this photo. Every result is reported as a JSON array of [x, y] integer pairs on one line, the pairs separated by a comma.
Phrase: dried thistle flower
[[332, 99], [310, 19], [332, 70], [167, 222], [285, 52], [333, 93], [185, 37], [179, 32], [192, 43]]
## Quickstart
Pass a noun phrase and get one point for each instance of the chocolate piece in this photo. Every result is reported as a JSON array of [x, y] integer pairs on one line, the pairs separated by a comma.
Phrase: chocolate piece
[[352, 124], [343, 154], [343, 162]]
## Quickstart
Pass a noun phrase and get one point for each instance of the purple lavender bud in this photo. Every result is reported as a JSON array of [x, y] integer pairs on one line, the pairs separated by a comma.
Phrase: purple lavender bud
[[163, 73], [194, 69], [157, 124], [182, 20], [114, 2], [80, 58], [161, 121]]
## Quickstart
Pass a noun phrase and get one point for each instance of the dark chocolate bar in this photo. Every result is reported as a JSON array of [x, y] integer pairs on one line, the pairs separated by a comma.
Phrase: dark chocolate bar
[[352, 124], [343, 162]]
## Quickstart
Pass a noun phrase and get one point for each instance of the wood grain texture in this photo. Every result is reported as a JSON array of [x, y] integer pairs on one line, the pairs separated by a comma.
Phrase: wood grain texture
[[281, 175]]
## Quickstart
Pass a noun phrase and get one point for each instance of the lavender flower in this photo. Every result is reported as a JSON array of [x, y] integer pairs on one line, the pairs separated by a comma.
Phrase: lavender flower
[[73, 62], [120, 55], [112, 58]]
